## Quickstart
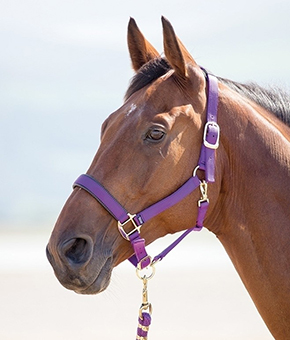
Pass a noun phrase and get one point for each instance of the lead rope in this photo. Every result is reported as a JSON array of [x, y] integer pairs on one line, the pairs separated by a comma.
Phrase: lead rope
[[147, 273], [145, 310]]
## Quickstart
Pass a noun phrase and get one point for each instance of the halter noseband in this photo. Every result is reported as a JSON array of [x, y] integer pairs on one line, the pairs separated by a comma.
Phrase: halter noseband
[[206, 163]]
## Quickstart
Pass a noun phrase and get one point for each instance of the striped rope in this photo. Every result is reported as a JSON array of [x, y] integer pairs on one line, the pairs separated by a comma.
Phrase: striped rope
[[143, 326]]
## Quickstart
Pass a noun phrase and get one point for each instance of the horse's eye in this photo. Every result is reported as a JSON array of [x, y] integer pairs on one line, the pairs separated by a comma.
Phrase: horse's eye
[[155, 135]]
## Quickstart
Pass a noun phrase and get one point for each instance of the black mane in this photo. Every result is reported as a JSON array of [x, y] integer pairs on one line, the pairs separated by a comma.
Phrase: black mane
[[273, 99]]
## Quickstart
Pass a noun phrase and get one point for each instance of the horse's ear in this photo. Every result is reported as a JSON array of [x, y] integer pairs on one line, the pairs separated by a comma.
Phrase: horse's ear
[[141, 51], [175, 52]]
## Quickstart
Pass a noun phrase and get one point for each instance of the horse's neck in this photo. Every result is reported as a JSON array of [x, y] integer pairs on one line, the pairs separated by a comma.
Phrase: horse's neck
[[254, 213]]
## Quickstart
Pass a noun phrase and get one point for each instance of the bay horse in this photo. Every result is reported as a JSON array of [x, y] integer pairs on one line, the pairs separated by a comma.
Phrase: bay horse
[[149, 148]]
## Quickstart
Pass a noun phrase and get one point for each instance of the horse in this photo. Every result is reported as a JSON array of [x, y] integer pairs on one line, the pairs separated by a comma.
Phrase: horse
[[150, 146]]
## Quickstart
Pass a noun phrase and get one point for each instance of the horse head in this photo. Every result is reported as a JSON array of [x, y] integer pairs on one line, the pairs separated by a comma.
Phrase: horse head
[[149, 148]]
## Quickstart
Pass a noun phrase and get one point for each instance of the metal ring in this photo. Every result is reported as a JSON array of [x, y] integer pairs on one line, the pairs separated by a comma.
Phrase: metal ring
[[195, 170], [145, 276]]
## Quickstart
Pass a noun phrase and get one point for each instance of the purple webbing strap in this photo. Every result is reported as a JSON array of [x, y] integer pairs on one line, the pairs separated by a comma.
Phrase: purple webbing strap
[[199, 225], [140, 256], [211, 134], [92, 186], [102, 196], [169, 201], [160, 256]]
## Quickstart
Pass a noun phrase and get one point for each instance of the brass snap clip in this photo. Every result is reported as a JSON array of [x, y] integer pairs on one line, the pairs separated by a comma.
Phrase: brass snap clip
[[203, 191], [146, 305]]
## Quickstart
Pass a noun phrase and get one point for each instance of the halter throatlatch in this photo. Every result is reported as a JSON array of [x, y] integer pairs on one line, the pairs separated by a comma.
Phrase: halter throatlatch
[[129, 225]]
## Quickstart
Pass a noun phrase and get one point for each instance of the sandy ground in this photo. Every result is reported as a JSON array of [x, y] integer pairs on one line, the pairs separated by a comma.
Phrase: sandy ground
[[196, 294]]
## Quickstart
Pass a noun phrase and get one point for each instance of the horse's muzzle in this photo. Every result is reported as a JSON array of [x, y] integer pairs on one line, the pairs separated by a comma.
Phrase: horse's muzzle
[[77, 267]]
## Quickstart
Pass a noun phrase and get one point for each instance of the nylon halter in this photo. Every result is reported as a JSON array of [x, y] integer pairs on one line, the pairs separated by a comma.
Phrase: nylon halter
[[206, 163]]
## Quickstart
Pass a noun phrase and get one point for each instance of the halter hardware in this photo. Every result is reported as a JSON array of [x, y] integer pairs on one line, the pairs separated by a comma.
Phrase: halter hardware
[[147, 272], [145, 309], [147, 260], [212, 129], [121, 225], [146, 305], [203, 190]]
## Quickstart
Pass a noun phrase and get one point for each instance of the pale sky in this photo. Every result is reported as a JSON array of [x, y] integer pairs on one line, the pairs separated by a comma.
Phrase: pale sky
[[64, 68]]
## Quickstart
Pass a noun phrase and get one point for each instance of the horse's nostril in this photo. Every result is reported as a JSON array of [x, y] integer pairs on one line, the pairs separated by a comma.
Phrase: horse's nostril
[[77, 250]]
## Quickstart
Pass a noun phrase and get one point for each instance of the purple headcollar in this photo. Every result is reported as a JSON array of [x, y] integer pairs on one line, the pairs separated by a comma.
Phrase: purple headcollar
[[129, 225]]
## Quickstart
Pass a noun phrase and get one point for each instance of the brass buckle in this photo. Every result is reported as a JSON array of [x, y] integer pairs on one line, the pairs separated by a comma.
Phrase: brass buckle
[[122, 231]]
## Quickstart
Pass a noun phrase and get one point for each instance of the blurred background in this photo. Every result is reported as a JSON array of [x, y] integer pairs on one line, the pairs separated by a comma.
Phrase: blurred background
[[64, 67]]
